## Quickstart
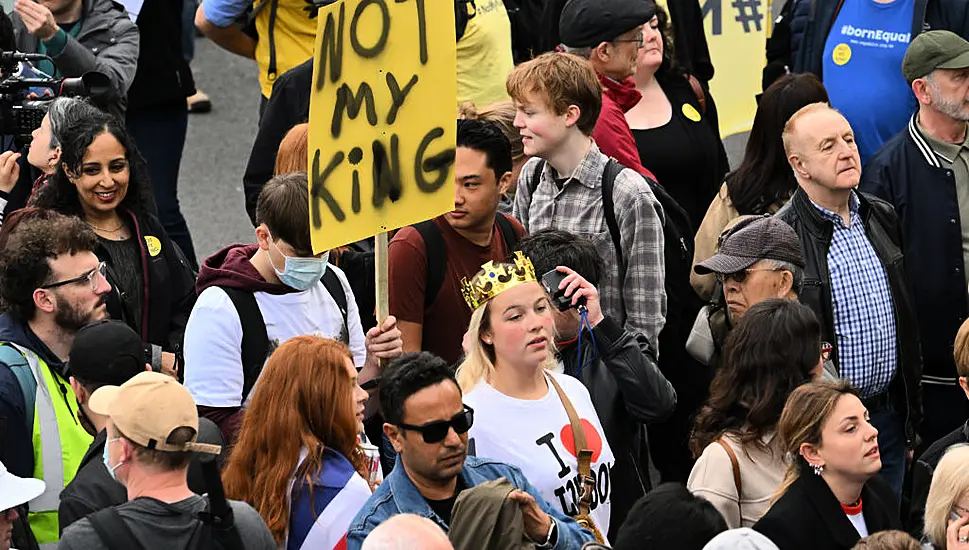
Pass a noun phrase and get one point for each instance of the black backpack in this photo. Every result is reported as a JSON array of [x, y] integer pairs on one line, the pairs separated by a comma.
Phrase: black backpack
[[436, 253], [682, 302], [215, 529], [255, 339]]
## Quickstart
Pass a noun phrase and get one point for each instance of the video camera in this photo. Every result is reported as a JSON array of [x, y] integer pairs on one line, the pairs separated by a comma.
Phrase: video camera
[[20, 115]]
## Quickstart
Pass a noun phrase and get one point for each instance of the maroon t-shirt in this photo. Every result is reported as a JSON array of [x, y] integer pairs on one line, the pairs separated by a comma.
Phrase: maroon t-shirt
[[446, 320]]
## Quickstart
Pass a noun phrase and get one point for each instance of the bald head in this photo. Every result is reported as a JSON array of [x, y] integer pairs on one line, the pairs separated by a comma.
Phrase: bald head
[[820, 146], [406, 532], [790, 135]]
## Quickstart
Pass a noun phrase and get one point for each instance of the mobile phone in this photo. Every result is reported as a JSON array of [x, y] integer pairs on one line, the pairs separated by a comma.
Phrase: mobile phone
[[551, 282]]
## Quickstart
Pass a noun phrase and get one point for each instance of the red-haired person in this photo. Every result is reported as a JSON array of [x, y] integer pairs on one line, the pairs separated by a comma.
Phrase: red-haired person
[[297, 460]]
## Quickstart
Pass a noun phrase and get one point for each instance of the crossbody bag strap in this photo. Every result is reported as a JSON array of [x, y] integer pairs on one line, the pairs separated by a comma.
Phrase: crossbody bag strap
[[583, 452], [735, 466]]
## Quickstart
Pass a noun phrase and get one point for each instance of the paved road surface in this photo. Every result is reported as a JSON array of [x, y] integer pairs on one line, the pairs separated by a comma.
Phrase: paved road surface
[[218, 148]]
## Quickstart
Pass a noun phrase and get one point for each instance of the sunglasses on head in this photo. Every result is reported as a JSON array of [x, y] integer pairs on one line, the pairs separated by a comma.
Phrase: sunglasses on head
[[433, 432]]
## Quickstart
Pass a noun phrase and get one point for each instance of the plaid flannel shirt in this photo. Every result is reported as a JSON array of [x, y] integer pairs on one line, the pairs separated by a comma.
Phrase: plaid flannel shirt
[[861, 300], [636, 297]]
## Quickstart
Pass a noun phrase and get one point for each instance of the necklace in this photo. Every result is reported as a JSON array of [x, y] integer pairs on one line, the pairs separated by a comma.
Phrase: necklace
[[115, 230]]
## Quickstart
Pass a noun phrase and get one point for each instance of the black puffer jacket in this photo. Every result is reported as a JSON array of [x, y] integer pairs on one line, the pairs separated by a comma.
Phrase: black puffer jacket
[[628, 390], [884, 233]]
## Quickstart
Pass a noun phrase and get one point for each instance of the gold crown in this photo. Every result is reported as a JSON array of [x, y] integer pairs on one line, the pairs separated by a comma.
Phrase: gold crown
[[495, 278]]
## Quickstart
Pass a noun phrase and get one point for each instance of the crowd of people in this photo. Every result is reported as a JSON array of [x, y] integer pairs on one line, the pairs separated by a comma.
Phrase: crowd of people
[[611, 340]]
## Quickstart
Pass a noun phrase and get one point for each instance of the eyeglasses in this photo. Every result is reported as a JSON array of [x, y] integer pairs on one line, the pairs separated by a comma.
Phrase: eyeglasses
[[740, 276], [90, 277], [637, 40], [434, 432], [826, 349]]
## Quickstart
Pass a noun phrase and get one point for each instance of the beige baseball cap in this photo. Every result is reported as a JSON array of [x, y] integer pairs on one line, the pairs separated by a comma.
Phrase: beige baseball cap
[[148, 408]]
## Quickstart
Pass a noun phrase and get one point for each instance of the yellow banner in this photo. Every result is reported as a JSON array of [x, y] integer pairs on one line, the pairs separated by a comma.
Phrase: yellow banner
[[737, 32], [382, 120]]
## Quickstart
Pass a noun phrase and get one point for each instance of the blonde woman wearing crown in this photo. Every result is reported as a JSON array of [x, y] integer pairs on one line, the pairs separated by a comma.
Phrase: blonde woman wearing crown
[[509, 378]]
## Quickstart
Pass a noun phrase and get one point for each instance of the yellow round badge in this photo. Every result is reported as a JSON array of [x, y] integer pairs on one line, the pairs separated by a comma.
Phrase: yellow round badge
[[841, 54], [154, 245], [690, 112]]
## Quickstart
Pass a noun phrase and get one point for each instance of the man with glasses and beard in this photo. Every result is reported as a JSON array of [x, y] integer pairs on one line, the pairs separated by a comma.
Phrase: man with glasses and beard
[[923, 173], [51, 285], [428, 424]]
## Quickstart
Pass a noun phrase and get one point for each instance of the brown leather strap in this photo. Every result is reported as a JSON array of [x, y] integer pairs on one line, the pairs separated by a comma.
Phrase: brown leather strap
[[583, 452], [735, 465], [701, 96]]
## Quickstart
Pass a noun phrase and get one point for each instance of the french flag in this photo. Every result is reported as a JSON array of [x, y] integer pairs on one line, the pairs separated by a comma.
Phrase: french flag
[[339, 493]]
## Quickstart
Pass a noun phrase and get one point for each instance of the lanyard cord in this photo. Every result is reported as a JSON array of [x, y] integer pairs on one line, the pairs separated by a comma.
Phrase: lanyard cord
[[585, 325]]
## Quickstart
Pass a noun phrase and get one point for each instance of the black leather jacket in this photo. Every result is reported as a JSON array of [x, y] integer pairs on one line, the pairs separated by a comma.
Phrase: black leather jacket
[[882, 229], [628, 390]]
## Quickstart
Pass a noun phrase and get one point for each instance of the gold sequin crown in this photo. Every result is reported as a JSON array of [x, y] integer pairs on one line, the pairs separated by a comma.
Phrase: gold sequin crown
[[495, 278]]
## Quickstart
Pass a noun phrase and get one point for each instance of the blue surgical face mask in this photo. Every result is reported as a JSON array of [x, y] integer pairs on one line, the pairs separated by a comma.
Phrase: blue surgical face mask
[[107, 465], [299, 273]]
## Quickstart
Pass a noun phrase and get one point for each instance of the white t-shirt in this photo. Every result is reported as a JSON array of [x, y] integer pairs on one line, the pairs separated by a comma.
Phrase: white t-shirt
[[213, 335], [536, 436], [858, 520]]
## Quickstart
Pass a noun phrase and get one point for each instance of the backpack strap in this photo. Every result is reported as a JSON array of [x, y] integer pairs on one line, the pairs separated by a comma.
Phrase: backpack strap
[[17, 363], [609, 175], [735, 465], [507, 231], [536, 177], [436, 255], [333, 285], [113, 531], [255, 339]]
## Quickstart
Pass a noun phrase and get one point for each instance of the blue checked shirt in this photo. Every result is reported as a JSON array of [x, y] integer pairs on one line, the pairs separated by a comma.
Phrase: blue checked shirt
[[861, 300]]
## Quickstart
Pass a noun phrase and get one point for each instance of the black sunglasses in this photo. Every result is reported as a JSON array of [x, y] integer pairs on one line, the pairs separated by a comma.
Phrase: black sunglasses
[[740, 276], [434, 432]]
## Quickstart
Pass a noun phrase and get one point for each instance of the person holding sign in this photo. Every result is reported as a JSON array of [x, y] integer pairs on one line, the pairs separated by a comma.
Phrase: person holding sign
[[428, 259], [558, 97], [254, 297]]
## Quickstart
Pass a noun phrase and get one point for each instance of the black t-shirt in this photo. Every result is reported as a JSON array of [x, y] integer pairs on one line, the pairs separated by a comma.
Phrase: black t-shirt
[[124, 258], [444, 507], [685, 153]]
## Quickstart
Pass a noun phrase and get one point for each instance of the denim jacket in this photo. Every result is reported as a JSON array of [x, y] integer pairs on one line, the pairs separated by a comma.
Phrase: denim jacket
[[398, 495]]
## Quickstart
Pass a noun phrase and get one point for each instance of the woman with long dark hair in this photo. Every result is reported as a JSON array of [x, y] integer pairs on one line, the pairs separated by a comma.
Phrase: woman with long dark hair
[[677, 138], [832, 495], [774, 348], [297, 450], [101, 179], [764, 180]]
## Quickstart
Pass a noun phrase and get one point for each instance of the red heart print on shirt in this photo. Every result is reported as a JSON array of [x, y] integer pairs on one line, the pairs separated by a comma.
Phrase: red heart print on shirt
[[592, 438]]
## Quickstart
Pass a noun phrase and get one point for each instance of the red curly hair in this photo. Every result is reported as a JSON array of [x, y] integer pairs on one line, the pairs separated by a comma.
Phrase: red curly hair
[[303, 400]]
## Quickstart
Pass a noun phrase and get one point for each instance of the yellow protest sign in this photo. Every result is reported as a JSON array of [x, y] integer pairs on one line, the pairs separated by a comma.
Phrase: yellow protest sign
[[382, 119], [736, 32]]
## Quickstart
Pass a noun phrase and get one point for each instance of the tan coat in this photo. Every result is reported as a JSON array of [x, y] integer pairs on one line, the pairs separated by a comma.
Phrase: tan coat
[[761, 474], [720, 216]]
